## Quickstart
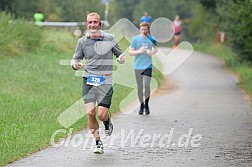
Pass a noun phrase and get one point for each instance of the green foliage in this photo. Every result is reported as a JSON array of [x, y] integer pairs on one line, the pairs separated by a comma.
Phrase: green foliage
[[210, 5], [202, 26], [49, 8], [54, 10], [73, 10], [5, 5], [159, 8], [17, 37], [245, 73], [208, 17], [134, 9], [122, 9], [19, 8], [238, 25]]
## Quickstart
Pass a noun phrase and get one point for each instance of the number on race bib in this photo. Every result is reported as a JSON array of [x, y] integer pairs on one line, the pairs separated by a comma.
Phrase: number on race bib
[[95, 80]]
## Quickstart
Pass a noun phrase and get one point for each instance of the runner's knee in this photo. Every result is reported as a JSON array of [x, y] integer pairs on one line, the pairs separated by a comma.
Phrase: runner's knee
[[103, 116], [146, 86], [91, 113]]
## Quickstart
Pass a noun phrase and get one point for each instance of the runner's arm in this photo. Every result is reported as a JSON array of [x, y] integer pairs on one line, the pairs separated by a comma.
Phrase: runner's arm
[[78, 56], [118, 52], [153, 51], [154, 48], [134, 52]]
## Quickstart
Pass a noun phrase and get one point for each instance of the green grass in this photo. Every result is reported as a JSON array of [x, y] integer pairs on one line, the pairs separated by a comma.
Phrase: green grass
[[35, 89], [245, 74], [232, 61], [17, 37]]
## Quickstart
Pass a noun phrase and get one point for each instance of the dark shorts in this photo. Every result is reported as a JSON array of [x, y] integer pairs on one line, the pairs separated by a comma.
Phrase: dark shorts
[[140, 73], [101, 94], [177, 33]]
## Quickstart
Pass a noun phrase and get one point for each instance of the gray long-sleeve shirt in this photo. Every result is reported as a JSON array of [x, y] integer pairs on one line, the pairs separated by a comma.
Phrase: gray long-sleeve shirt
[[98, 54]]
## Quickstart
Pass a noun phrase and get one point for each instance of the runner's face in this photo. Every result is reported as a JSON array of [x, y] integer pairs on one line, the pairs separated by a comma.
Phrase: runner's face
[[144, 30], [93, 24]]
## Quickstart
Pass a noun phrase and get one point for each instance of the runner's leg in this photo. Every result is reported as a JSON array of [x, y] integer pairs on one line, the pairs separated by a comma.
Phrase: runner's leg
[[103, 113], [92, 122], [139, 80], [147, 79], [104, 101], [177, 40]]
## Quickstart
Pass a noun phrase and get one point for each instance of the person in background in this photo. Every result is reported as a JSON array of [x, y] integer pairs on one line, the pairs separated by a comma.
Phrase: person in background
[[178, 28], [143, 47], [38, 17], [146, 18]]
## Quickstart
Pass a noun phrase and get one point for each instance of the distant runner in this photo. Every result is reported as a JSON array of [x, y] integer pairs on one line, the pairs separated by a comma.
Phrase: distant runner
[[143, 47], [38, 17], [145, 18], [178, 27]]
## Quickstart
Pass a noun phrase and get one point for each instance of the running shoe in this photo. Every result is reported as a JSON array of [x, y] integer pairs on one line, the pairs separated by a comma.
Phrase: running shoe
[[108, 126], [140, 112], [147, 110], [98, 148]]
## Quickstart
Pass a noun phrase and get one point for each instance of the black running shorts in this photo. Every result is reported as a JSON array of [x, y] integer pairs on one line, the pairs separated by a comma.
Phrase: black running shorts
[[101, 94]]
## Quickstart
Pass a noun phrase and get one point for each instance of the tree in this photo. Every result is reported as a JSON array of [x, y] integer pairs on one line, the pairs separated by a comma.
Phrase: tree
[[6, 5], [122, 9], [158, 8], [73, 10], [238, 25], [54, 10], [210, 5]]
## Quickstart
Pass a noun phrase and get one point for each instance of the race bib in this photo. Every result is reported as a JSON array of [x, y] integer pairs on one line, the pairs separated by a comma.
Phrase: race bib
[[146, 47], [95, 80]]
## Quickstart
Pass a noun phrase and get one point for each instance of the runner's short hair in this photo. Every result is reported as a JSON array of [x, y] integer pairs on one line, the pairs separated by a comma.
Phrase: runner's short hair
[[144, 24], [94, 14]]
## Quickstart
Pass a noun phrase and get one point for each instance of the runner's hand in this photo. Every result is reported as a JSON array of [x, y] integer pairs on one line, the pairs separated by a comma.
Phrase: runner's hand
[[77, 65], [141, 50], [121, 59], [150, 53]]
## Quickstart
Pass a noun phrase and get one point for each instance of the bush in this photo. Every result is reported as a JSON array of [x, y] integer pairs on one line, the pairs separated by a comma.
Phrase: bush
[[17, 36], [238, 25], [202, 26]]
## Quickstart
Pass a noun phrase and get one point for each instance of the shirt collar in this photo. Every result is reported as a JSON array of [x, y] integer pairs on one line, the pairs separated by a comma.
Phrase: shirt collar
[[100, 38]]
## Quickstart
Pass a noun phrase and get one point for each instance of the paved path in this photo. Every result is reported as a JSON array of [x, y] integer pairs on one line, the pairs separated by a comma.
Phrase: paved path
[[206, 103]]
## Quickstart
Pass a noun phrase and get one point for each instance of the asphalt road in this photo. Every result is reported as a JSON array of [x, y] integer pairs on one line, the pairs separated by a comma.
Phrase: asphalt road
[[199, 117]]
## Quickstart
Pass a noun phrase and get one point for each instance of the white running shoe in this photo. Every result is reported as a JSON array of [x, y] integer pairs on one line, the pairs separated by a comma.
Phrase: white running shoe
[[98, 148]]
